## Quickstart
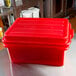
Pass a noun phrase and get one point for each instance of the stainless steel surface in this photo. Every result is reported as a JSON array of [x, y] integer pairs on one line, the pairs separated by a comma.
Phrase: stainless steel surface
[[69, 68]]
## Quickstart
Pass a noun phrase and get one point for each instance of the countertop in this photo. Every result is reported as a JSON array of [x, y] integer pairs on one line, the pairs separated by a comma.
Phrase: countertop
[[10, 69]]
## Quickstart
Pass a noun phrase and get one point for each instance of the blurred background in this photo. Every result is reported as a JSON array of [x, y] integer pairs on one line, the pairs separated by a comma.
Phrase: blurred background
[[12, 9]]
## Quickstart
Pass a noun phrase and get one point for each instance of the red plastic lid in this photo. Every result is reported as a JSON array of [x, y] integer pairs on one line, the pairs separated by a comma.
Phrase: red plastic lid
[[37, 40], [39, 27], [46, 32], [54, 31]]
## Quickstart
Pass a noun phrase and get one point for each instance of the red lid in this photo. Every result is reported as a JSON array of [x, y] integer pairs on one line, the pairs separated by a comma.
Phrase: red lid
[[39, 27], [54, 31]]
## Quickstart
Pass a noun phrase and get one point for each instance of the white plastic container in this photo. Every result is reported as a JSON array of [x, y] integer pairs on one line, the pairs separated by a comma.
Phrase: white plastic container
[[35, 12], [26, 14]]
